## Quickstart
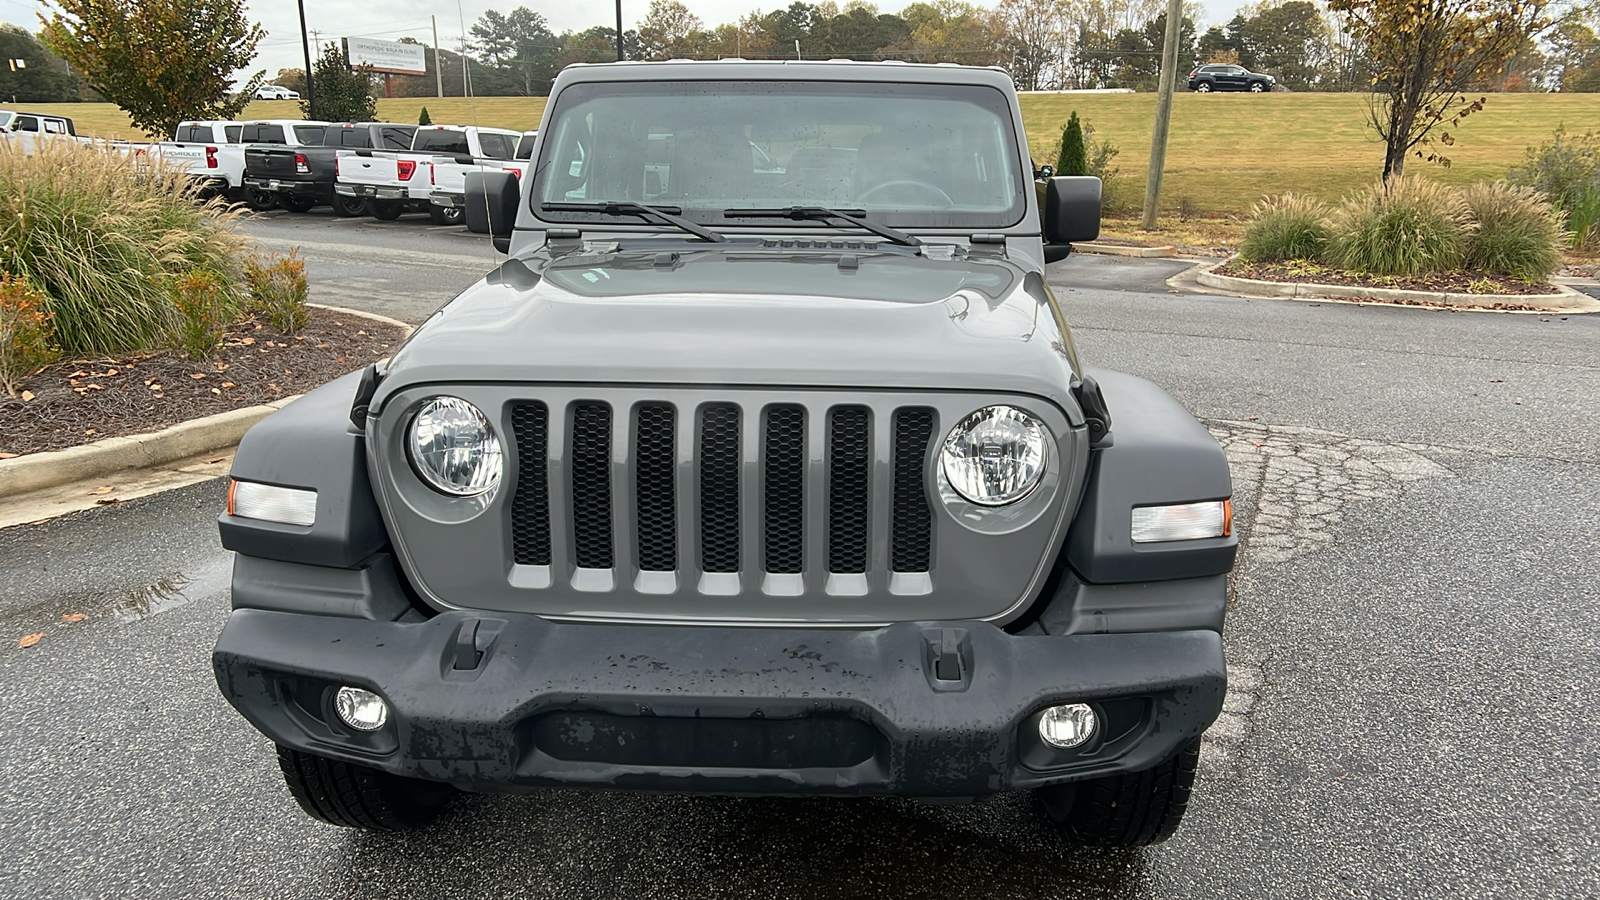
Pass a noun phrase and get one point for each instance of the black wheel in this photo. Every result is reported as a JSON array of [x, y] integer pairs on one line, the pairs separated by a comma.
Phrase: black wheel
[[387, 210], [1257, 87], [1203, 87], [297, 204], [260, 201], [445, 215], [353, 796], [349, 207], [1130, 810]]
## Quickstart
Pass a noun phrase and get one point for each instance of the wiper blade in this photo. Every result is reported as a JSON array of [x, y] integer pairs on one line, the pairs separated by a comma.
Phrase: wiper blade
[[668, 214], [803, 213]]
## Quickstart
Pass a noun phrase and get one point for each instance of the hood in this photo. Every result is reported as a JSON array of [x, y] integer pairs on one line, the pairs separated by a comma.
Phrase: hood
[[748, 313]]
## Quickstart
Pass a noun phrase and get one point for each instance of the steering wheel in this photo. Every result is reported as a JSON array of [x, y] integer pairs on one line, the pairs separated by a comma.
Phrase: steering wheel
[[932, 190]]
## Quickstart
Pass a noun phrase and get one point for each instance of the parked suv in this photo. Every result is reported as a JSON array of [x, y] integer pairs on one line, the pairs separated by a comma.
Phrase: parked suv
[[712, 487], [1219, 77], [276, 92]]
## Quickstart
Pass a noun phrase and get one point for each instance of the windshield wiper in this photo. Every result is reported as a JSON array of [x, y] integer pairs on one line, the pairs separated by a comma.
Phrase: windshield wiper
[[804, 213], [668, 214]]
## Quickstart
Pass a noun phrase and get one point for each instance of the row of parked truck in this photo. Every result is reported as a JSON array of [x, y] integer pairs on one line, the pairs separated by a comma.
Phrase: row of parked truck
[[382, 169]]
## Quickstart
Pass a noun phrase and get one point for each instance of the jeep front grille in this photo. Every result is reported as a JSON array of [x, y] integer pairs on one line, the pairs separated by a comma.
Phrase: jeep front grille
[[786, 460]]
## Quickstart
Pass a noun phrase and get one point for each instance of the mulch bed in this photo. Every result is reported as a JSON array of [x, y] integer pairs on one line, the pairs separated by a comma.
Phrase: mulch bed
[[1455, 282], [85, 400]]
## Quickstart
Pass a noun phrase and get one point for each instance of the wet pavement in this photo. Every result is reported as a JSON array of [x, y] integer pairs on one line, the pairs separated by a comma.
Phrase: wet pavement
[[1413, 650]]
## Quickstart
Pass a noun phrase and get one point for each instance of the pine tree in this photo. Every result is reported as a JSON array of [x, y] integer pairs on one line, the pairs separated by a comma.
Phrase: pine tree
[[1074, 160], [343, 94], [423, 119]]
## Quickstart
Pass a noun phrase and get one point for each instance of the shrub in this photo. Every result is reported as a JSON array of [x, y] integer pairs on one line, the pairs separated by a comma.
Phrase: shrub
[[424, 119], [1101, 153], [278, 290], [25, 339], [1513, 232], [1562, 168], [1411, 227], [1582, 217], [1285, 227], [103, 238], [1073, 159], [204, 307]]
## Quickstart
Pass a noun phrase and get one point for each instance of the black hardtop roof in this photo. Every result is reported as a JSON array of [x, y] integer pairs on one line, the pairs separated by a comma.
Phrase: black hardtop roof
[[786, 70]]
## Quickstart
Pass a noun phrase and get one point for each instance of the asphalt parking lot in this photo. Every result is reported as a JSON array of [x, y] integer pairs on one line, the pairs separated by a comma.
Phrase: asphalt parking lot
[[1413, 650]]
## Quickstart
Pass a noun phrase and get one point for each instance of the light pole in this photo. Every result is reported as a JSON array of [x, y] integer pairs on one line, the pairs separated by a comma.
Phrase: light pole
[[619, 31], [305, 46]]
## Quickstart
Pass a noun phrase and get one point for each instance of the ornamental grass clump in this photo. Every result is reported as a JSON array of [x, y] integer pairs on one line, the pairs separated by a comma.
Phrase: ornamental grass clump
[[1411, 227], [104, 234], [278, 290], [1514, 232], [26, 344], [1286, 227]]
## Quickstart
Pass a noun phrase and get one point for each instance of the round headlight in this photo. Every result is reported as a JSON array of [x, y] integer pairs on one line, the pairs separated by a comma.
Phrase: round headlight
[[994, 456], [453, 447]]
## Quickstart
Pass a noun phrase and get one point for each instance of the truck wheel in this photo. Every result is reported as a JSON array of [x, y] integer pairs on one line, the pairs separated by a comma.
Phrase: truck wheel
[[1203, 87], [353, 796], [260, 201], [388, 210], [297, 204], [349, 207], [1129, 810], [445, 215]]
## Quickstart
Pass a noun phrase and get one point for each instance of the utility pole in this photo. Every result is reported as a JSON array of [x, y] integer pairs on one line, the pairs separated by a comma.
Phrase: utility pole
[[438, 62], [311, 93], [620, 55], [1158, 137]]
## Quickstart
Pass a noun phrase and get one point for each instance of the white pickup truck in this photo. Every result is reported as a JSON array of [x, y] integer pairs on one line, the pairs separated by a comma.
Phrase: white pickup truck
[[449, 196], [208, 150], [394, 182], [27, 129]]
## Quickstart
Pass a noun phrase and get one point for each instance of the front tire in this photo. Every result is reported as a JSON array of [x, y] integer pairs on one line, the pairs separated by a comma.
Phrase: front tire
[[387, 210], [353, 796], [445, 215], [1203, 87], [349, 207], [1134, 809], [1257, 87]]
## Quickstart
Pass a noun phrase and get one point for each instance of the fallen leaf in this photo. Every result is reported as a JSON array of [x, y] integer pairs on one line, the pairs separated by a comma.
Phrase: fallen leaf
[[93, 387], [80, 390], [9, 455], [150, 380], [28, 395], [109, 501], [217, 460], [229, 384], [1258, 443], [221, 366], [102, 490], [78, 375], [1254, 418], [341, 359], [324, 346], [198, 375], [30, 640], [153, 387], [88, 431], [361, 332], [248, 340], [74, 617], [215, 391], [39, 521]]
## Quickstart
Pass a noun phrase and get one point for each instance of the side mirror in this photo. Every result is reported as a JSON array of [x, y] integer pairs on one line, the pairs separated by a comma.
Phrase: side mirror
[[1044, 172], [1071, 209], [492, 201]]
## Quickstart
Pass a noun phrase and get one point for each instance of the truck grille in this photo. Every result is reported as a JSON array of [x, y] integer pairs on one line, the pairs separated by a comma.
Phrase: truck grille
[[626, 489]]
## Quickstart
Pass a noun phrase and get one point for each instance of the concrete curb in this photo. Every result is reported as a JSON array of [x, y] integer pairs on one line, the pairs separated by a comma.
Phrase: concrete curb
[[222, 431], [1119, 250], [1568, 301]]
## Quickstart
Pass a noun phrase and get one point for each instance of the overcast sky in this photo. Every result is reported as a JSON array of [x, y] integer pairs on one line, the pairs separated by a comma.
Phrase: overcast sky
[[410, 18]]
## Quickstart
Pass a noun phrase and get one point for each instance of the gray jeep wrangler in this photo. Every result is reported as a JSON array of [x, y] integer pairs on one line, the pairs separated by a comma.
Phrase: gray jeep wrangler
[[765, 464]]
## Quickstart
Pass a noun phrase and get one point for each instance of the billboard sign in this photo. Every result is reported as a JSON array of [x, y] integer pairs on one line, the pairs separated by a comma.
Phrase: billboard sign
[[387, 56]]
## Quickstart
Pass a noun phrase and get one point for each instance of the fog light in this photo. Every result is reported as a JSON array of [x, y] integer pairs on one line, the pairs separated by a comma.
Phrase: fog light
[[360, 709], [1067, 726]]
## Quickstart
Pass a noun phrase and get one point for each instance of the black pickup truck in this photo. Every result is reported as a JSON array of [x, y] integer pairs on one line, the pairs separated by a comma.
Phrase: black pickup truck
[[303, 177]]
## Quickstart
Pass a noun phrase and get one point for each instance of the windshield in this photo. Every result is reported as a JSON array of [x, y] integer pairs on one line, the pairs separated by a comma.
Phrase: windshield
[[907, 154]]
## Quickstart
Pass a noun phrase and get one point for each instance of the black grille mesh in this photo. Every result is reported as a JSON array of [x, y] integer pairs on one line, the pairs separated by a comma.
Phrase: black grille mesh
[[849, 459], [530, 506], [784, 487], [719, 488], [591, 485], [911, 529], [655, 497]]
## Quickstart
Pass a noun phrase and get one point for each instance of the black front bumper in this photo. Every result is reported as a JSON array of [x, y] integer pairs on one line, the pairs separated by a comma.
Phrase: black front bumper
[[496, 701]]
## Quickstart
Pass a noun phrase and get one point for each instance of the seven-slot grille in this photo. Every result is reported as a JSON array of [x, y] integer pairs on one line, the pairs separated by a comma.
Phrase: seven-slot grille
[[781, 458]]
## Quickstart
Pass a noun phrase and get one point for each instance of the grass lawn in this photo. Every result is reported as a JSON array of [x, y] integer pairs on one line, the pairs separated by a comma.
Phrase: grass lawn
[[1226, 151]]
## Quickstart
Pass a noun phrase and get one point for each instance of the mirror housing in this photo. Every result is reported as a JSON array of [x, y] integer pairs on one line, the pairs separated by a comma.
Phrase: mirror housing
[[492, 201], [1071, 209]]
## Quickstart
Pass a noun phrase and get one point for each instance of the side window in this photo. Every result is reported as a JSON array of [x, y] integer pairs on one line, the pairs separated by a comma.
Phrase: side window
[[55, 126], [495, 146], [355, 137], [396, 138], [185, 134], [232, 132], [525, 146], [27, 123], [441, 140], [309, 134]]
